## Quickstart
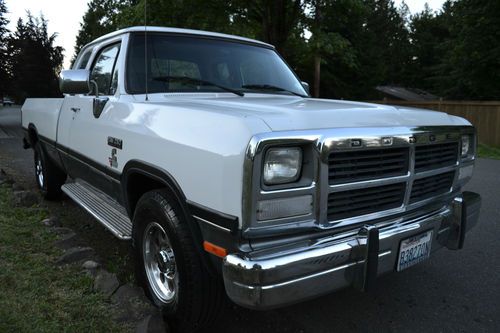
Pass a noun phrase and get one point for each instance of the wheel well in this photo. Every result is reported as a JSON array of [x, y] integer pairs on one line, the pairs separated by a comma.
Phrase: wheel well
[[140, 178], [137, 185], [32, 135]]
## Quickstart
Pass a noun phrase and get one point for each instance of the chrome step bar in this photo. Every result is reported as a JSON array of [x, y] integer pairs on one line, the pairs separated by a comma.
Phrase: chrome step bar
[[107, 211]]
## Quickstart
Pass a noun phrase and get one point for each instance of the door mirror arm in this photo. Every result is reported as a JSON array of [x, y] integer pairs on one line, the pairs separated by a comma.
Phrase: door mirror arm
[[96, 88]]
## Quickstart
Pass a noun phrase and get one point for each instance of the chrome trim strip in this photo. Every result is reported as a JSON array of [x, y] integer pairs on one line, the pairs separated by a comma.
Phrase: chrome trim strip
[[212, 224], [369, 183], [307, 277], [434, 172], [295, 190]]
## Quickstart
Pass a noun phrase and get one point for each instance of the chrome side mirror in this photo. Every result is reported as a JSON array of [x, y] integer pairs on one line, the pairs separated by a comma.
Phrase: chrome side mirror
[[305, 85], [74, 81]]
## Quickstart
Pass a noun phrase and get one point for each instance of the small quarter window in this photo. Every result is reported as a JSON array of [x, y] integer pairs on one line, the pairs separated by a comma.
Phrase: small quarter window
[[104, 71], [84, 59]]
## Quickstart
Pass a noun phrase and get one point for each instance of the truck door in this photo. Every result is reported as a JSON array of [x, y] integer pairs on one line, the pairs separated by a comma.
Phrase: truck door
[[90, 157]]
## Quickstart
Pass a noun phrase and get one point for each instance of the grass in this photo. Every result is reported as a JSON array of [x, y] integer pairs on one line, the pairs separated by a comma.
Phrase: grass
[[35, 295], [488, 151]]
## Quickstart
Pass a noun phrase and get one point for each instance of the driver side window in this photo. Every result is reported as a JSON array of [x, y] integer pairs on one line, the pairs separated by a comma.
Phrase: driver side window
[[104, 71]]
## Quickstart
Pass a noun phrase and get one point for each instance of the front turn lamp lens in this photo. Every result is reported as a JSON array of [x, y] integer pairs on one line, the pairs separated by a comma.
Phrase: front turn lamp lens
[[282, 165], [284, 207]]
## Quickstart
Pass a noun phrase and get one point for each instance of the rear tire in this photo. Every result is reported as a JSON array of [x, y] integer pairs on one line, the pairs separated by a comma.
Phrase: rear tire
[[168, 266], [48, 176]]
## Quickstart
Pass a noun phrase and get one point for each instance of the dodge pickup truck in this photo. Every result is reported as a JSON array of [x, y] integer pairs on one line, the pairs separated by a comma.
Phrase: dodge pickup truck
[[207, 152]]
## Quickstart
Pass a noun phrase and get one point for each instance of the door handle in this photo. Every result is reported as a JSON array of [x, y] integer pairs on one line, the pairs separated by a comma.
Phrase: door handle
[[75, 109]]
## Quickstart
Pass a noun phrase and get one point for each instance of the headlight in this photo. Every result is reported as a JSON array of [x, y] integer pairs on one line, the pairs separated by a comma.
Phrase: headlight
[[282, 165], [466, 145]]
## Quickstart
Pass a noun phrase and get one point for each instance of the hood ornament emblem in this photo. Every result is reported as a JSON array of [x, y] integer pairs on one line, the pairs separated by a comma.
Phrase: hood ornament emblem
[[356, 142], [387, 141]]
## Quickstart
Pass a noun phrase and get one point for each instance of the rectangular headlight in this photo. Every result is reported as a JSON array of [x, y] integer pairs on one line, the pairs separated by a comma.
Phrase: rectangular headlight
[[466, 145], [282, 165]]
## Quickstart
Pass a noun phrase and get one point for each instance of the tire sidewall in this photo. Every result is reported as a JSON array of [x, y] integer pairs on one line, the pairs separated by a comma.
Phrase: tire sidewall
[[150, 209], [39, 156]]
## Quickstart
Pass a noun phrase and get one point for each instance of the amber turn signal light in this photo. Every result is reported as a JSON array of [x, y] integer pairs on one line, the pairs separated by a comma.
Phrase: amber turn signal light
[[214, 249]]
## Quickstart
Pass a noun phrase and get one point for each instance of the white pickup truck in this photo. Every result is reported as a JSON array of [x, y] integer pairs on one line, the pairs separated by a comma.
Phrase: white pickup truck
[[206, 150]]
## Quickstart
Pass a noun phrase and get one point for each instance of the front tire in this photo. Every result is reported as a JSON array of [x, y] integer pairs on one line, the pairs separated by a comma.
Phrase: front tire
[[168, 266], [48, 176]]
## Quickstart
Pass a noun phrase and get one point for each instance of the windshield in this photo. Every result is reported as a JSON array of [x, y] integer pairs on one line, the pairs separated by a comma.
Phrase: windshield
[[224, 64]]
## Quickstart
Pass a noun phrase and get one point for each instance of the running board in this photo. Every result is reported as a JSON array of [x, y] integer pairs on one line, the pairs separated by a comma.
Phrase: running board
[[107, 211]]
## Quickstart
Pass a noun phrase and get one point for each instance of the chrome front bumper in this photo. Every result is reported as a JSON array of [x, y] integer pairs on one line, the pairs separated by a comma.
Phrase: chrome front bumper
[[311, 268]]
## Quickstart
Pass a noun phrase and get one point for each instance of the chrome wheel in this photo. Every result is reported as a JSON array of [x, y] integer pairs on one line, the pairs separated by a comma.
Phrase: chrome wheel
[[39, 172], [159, 263]]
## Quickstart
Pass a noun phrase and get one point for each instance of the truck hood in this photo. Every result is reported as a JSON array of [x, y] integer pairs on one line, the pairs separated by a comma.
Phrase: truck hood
[[282, 113]]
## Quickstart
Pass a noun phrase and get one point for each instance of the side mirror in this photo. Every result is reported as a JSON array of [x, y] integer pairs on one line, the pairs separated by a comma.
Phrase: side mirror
[[74, 81], [305, 85]]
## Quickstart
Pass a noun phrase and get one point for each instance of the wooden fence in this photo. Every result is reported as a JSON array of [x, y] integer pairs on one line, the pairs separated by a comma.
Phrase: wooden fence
[[484, 115]]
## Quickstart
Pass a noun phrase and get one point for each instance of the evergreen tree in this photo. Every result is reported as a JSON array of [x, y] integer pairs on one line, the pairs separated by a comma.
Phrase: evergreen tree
[[382, 48], [334, 26], [99, 19], [471, 67], [429, 34], [4, 75], [272, 21], [192, 14], [34, 60], [346, 47]]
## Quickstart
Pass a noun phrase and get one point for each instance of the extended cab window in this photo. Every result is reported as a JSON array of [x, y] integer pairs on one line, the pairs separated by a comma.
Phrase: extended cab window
[[104, 71]]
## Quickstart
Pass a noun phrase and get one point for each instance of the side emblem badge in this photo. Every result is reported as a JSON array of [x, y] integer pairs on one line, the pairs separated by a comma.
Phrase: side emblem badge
[[113, 160]]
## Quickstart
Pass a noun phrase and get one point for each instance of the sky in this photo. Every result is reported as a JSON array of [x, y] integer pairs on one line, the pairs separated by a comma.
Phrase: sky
[[65, 16], [418, 5]]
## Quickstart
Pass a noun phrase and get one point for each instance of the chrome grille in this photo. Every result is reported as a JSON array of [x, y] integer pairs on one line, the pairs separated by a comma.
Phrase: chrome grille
[[435, 156], [428, 187], [351, 203], [350, 166], [386, 180]]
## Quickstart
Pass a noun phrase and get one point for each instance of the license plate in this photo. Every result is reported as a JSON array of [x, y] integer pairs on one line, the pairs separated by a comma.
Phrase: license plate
[[414, 250]]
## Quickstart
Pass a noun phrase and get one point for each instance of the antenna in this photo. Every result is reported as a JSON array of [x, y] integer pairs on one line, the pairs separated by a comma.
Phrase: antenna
[[146, 45]]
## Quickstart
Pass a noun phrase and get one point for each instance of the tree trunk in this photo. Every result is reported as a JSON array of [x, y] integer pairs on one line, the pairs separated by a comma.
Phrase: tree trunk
[[317, 56], [317, 75]]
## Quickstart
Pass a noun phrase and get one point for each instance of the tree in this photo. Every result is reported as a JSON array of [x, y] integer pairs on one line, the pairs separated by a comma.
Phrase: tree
[[380, 48], [471, 67], [100, 18], [429, 32], [34, 60], [272, 21], [354, 45], [192, 14], [4, 75], [332, 25]]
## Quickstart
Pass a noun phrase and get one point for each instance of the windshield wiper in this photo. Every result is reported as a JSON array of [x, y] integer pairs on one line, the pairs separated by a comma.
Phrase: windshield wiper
[[269, 87], [192, 80]]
